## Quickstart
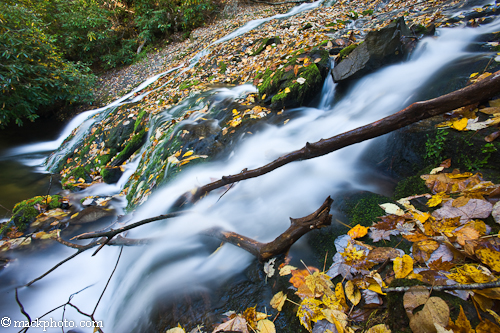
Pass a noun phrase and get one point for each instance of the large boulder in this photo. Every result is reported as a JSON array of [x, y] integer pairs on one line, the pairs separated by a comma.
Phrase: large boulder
[[295, 83], [380, 48]]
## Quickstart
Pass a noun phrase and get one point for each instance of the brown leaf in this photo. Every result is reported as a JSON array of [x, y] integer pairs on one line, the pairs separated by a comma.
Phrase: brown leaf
[[414, 297], [237, 324], [422, 251], [486, 326], [462, 324], [381, 254], [492, 137], [465, 234], [446, 163], [435, 311]]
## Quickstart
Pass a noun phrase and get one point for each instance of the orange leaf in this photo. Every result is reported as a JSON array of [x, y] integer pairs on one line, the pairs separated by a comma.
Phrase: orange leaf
[[357, 232]]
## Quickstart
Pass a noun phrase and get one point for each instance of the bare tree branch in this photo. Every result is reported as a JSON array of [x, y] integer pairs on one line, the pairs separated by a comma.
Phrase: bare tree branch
[[263, 251], [471, 286]]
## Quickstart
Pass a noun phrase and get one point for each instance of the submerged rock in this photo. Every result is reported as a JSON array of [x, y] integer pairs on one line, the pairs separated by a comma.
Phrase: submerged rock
[[380, 48]]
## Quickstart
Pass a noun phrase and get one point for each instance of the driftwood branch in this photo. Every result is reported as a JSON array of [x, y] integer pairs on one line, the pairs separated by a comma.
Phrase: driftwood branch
[[279, 3], [477, 92], [299, 227], [471, 286]]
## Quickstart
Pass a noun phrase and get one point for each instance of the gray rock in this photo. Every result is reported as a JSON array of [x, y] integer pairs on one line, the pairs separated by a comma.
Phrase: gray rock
[[380, 48]]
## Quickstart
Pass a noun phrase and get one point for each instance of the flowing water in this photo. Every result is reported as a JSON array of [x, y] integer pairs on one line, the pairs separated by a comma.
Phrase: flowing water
[[258, 208]]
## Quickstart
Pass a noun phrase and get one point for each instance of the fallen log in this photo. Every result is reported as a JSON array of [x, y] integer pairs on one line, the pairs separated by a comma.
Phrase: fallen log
[[299, 227], [475, 93]]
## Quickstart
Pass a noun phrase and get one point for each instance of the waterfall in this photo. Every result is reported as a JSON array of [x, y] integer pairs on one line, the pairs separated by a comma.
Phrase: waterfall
[[258, 208]]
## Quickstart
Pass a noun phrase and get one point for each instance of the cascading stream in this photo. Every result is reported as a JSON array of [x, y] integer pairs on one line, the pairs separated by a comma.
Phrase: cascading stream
[[258, 208]]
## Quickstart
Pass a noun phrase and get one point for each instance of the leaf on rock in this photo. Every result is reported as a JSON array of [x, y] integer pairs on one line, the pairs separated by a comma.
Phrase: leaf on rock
[[462, 324], [460, 124], [475, 208], [266, 326], [309, 310], [403, 266], [301, 80], [371, 297], [319, 284], [269, 267], [414, 297], [299, 277], [237, 324], [352, 292], [358, 231], [381, 254], [435, 311], [486, 326], [176, 330], [380, 328], [465, 234], [379, 234], [336, 317], [436, 199], [390, 208], [422, 251], [340, 295], [489, 257], [287, 269], [496, 212], [278, 301]]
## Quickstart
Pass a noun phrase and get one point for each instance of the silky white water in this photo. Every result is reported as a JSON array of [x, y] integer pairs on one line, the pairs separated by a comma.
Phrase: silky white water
[[257, 208]]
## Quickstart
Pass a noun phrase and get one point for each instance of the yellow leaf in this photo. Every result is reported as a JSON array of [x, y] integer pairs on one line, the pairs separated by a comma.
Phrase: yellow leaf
[[263, 96], [278, 301], [352, 292], [490, 258], [74, 215], [486, 326], [380, 328], [235, 112], [339, 294], [287, 269], [357, 232], [459, 125], [496, 316], [266, 326], [175, 330], [309, 310], [336, 317], [462, 324], [287, 90], [403, 266], [319, 284]]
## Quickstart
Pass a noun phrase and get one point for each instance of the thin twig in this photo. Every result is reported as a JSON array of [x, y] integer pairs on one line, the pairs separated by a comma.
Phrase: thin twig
[[107, 283], [22, 307], [471, 286]]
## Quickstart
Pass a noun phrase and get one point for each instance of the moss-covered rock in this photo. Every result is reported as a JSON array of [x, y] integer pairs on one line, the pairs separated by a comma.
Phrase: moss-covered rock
[[297, 82], [261, 44], [132, 146], [111, 175], [26, 211]]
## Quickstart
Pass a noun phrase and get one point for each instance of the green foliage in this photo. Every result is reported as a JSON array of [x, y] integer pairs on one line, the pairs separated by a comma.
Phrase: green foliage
[[367, 12], [32, 71], [434, 147]]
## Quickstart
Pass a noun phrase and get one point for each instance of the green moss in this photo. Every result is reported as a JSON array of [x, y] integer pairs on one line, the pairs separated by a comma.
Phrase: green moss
[[347, 50], [131, 147], [223, 67], [367, 12], [307, 26], [24, 212], [187, 84], [262, 46], [139, 119], [410, 186]]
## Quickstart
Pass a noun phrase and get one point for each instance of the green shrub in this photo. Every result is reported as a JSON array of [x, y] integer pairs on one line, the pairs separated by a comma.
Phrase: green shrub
[[32, 70]]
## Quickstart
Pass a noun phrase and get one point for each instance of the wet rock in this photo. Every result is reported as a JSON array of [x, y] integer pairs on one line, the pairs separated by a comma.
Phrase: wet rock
[[261, 44], [202, 137], [132, 146], [380, 48], [111, 175], [91, 214], [297, 82], [25, 212]]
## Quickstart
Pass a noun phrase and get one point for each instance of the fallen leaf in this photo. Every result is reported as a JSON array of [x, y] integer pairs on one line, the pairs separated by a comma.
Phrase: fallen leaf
[[336, 317], [495, 315], [390, 208], [319, 284], [462, 324], [460, 124], [422, 251], [287, 269], [403, 266], [237, 324], [357, 231], [380, 328], [496, 212], [352, 292], [266, 326], [176, 330], [381, 254], [301, 80], [435, 311], [414, 297], [489, 257], [492, 137], [269, 267], [465, 234], [278, 301], [475, 208], [486, 326], [287, 90], [309, 310]]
